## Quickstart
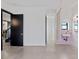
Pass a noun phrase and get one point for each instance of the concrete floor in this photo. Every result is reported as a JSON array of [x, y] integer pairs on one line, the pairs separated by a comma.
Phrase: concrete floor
[[57, 52]]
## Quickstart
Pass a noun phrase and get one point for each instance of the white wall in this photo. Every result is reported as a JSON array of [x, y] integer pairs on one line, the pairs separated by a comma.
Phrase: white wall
[[74, 34], [34, 18], [34, 27], [75, 39], [74, 11]]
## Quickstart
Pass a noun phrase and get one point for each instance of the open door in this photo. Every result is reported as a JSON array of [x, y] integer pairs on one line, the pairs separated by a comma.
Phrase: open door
[[17, 30], [5, 28]]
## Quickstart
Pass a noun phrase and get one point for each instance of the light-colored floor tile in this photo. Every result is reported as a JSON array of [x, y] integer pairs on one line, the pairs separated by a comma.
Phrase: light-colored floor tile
[[57, 52]]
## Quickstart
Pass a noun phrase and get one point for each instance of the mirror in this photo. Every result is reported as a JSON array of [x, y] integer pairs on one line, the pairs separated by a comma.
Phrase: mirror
[[64, 26], [75, 19]]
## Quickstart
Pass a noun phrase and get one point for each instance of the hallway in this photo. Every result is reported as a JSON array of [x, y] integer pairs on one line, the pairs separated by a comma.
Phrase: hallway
[[40, 52]]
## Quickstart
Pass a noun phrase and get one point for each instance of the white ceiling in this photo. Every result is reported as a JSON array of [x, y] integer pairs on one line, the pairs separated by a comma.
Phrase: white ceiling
[[20, 4], [38, 2], [54, 4], [32, 2]]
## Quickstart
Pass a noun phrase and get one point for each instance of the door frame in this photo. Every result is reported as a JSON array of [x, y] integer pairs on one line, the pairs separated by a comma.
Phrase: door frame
[[2, 10], [45, 30]]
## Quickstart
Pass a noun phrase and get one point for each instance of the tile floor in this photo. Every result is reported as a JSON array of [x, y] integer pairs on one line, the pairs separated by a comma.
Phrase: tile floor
[[57, 52]]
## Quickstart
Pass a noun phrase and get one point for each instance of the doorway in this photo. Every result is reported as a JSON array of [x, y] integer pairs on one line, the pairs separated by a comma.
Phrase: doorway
[[5, 28], [17, 30], [11, 29], [50, 30]]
